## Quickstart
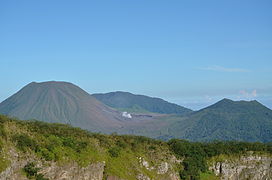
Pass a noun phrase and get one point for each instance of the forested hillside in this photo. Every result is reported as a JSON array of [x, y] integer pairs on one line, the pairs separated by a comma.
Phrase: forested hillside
[[126, 101]]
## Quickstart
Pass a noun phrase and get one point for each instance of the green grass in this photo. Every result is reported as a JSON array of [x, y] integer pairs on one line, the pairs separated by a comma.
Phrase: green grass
[[4, 163], [208, 176], [119, 166]]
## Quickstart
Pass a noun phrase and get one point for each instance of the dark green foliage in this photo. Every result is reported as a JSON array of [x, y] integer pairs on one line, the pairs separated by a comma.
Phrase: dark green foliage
[[103, 140], [152, 147], [32, 171], [196, 154], [191, 168], [138, 103], [55, 135], [49, 150], [137, 143], [74, 144], [121, 144], [41, 177], [195, 158], [1, 146], [48, 154], [63, 130], [24, 142], [114, 151], [227, 120]]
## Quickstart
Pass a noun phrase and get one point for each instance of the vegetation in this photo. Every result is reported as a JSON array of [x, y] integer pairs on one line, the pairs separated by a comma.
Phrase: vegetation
[[196, 154], [64, 144], [226, 120], [32, 172], [3, 162]]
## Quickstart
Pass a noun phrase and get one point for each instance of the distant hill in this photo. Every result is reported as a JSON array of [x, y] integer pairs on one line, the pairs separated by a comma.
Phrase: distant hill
[[228, 120], [61, 102], [139, 103]]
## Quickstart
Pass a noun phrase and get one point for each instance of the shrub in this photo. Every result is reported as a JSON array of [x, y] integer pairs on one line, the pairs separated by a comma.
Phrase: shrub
[[121, 144], [196, 154], [114, 152], [41, 177], [46, 154], [2, 131], [74, 144], [23, 142], [32, 172]]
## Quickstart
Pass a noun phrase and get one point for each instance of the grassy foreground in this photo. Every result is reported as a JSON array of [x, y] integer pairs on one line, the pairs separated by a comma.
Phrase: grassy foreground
[[63, 144]]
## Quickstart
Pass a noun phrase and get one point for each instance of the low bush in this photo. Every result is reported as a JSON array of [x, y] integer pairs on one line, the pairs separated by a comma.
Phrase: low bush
[[114, 151], [24, 142]]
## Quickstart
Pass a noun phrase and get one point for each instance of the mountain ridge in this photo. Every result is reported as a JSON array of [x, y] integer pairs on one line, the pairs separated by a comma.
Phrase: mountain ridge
[[64, 102], [236, 120], [140, 103]]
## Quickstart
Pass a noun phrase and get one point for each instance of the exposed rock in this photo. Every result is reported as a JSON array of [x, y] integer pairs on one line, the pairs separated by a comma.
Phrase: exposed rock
[[12, 172], [174, 160], [163, 168], [51, 170], [113, 178], [174, 176], [142, 177], [73, 171], [145, 164], [252, 167]]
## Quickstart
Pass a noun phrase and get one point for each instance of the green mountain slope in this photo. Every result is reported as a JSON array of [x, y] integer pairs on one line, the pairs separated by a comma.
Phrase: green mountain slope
[[138, 103], [228, 120]]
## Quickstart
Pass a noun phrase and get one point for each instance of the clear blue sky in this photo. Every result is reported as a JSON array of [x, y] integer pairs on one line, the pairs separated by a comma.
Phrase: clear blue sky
[[191, 52]]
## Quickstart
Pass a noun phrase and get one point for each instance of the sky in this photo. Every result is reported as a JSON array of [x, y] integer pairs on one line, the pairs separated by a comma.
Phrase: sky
[[190, 52]]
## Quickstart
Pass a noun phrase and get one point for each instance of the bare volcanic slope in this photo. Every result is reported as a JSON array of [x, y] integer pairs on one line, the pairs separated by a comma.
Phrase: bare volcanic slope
[[62, 102]]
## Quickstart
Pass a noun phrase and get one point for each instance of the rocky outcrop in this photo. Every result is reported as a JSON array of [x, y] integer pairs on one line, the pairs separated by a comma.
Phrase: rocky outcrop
[[142, 177], [247, 167], [113, 178], [164, 170], [50, 170], [72, 171]]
